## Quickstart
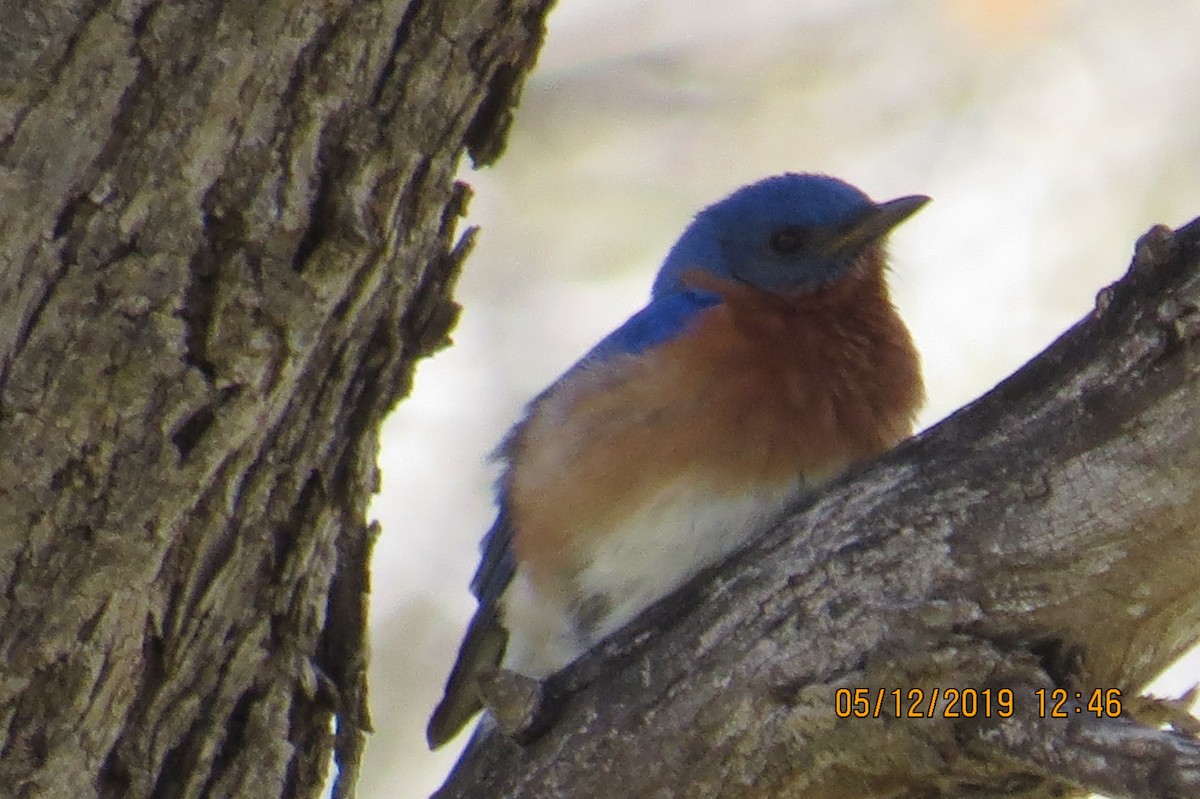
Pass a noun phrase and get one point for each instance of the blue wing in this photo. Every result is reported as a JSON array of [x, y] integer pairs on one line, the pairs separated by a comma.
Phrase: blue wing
[[664, 318], [483, 645], [496, 564]]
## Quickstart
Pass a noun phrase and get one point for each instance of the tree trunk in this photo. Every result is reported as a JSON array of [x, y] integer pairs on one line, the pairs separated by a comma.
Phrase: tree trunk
[[226, 235], [1046, 538]]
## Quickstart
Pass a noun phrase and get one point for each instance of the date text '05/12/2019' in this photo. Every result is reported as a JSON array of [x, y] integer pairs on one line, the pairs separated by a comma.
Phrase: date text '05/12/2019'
[[953, 703]]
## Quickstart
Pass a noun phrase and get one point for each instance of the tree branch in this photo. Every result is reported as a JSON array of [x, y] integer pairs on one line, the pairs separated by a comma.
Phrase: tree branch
[[1044, 537]]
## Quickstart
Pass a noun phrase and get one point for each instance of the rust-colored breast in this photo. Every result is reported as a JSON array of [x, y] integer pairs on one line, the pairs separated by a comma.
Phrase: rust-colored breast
[[760, 389]]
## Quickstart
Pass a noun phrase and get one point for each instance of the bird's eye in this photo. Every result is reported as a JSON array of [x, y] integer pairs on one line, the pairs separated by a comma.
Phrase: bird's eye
[[788, 240]]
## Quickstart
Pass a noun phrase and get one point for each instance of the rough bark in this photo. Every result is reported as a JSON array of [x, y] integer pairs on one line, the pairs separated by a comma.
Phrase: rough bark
[[226, 234], [1047, 536]]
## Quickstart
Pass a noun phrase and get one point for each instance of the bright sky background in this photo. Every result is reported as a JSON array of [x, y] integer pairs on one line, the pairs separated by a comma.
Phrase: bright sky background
[[1050, 133]]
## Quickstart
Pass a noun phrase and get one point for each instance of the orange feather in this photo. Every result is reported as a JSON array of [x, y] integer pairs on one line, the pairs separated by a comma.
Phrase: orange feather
[[759, 389]]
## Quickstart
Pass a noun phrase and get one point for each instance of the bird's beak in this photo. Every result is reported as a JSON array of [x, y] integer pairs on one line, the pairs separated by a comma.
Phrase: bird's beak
[[876, 223]]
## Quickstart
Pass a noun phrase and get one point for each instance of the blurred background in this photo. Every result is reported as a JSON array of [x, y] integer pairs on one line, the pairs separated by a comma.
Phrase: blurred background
[[1050, 133]]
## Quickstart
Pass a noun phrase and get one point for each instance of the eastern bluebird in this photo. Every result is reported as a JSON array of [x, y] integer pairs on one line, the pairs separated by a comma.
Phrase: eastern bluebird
[[768, 359]]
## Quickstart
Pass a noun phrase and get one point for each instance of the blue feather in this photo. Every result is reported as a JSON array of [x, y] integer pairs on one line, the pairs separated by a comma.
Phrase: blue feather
[[729, 238], [497, 562], [663, 319]]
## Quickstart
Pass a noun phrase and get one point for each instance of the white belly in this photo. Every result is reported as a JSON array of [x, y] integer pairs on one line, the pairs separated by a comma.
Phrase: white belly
[[684, 528]]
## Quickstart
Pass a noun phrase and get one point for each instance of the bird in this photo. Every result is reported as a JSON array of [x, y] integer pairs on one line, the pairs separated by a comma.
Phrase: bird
[[768, 359]]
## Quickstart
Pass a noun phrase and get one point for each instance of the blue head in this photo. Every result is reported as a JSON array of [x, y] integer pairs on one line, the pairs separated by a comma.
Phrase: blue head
[[791, 232]]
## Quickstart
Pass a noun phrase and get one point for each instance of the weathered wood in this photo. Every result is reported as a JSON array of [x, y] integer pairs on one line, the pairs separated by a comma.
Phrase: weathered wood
[[1046, 536], [226, 234]]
